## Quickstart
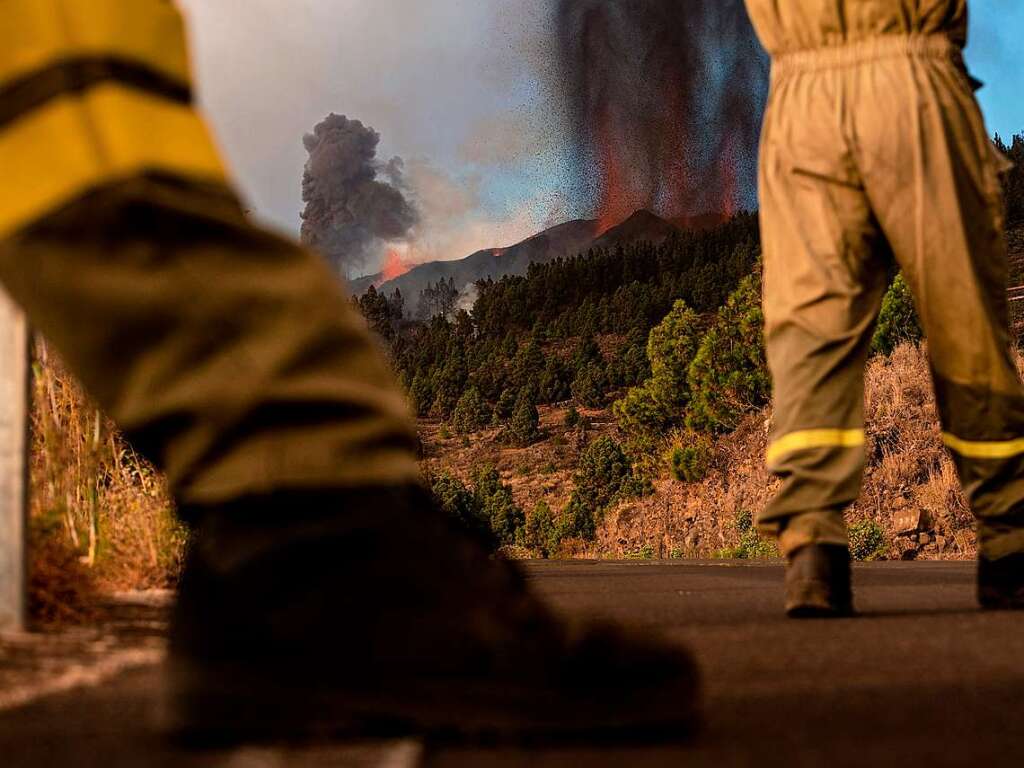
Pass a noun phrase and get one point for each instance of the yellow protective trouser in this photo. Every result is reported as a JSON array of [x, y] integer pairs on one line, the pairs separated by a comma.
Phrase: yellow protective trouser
[[874, 148], [229, 356]]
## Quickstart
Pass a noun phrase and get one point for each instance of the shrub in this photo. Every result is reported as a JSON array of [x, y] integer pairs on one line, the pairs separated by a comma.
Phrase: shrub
[[572, 417], [498, 506], [751, 546], [867, 540], [898, 322], [524, 427], [471, 412], [646, 552], [690, 457], [729, 374]]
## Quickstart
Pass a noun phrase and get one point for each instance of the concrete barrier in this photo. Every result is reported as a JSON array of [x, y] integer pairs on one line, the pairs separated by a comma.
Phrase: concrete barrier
[[14, 380]]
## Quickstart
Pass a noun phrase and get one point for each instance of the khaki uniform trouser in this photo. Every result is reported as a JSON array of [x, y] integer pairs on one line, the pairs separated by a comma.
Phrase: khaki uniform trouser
[[872, 150], [230, 357]]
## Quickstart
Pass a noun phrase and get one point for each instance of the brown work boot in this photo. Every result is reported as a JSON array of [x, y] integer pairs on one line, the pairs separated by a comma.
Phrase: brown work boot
[[367, 613], [818, 582], [1001, 583]]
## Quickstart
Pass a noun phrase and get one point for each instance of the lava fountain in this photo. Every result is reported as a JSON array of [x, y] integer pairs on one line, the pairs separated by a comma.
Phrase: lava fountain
[[665, 99]]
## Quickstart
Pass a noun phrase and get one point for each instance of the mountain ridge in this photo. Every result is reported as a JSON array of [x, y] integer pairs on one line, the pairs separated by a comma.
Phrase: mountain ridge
[[560, 241]]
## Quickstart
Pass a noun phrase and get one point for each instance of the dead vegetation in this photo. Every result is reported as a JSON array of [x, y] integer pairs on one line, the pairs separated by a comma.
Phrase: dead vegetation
[[100, 516]]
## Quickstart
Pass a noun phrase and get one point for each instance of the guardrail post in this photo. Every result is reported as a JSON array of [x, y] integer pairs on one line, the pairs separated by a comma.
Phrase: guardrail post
[[14, 405]]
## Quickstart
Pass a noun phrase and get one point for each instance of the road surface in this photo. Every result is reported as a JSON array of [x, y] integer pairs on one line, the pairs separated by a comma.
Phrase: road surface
[[920, 677]]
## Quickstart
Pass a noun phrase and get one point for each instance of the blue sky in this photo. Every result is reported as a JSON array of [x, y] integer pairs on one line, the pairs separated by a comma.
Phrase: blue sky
[[995, 54], [452, 87]]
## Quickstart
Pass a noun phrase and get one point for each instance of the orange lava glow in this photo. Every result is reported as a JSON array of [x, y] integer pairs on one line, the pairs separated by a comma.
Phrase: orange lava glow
[[394, 267], [616, 203]]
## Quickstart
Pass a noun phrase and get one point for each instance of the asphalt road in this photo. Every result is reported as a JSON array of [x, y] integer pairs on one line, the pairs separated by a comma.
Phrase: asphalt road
[[920, 677]]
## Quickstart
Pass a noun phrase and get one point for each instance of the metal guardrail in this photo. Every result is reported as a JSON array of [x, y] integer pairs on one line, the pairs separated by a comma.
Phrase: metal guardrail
[[14, 380]]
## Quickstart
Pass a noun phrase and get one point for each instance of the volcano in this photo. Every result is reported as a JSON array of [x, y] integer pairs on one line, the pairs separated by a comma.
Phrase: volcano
[[561, 241]]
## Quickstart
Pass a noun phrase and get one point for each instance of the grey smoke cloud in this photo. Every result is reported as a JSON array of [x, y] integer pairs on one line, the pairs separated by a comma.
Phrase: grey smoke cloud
[[354, 201]]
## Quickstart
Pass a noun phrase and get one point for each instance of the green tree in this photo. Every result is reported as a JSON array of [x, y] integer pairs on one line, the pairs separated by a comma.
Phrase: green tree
[[661, 401], [587, 352], [1013, 181], [630, 366], [604, 476], [453, 498], [524, 426], [898, 322], [540, 533], [729, 374], [421, 394], [506, 405], [471, 412], [590, 386], [498, 506]]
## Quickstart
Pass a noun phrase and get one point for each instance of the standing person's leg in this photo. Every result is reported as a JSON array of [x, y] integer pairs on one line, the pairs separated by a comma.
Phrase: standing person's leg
[[322, 592], [823, 285], [932, 174]]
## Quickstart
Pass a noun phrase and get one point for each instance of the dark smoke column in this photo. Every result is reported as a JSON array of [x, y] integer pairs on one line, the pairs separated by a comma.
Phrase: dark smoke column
[[354, 202], [666, 98]]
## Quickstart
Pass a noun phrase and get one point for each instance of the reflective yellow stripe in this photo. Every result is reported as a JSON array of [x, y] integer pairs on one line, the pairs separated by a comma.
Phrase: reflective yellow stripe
[[814, 438], [38, 33], [57, 152], [995, 449]]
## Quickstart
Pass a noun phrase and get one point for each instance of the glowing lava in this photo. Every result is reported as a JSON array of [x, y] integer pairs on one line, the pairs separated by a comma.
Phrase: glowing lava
[[394, 266]]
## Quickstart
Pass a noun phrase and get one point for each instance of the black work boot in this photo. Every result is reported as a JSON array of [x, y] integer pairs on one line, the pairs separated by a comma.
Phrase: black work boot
[[367, 613], [1001, 583], [818, 582]]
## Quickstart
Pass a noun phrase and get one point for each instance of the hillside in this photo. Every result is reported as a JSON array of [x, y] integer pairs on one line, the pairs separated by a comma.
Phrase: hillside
[[561, 241], [911, 496]]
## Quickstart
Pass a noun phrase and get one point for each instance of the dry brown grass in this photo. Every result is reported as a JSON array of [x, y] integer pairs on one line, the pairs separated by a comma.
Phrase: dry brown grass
[[96, 506]]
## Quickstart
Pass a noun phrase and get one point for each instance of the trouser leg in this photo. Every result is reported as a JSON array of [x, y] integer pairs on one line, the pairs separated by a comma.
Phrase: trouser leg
[[943, 217], [823, 285], [229, 356]]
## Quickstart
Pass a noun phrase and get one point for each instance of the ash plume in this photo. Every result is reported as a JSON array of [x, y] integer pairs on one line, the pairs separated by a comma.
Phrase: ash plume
[[354, 201], [665, 98]]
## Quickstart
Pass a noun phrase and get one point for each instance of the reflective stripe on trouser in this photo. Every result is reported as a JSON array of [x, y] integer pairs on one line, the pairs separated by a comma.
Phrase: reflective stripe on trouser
[[230, 357], [872, 150]]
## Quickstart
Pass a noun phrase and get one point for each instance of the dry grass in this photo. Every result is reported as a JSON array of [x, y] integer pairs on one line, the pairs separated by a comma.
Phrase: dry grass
[[96, 506]]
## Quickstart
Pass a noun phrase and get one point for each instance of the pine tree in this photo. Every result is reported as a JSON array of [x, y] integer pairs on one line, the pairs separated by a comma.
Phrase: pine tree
[[590, 386], [604, 476], [729, 374], [898, 322], [498, 506], [455, 500], [661, 401], [524, 427], [471, 412]]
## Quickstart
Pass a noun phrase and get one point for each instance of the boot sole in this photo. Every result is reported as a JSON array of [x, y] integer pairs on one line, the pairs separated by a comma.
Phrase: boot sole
[[241, 710]]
